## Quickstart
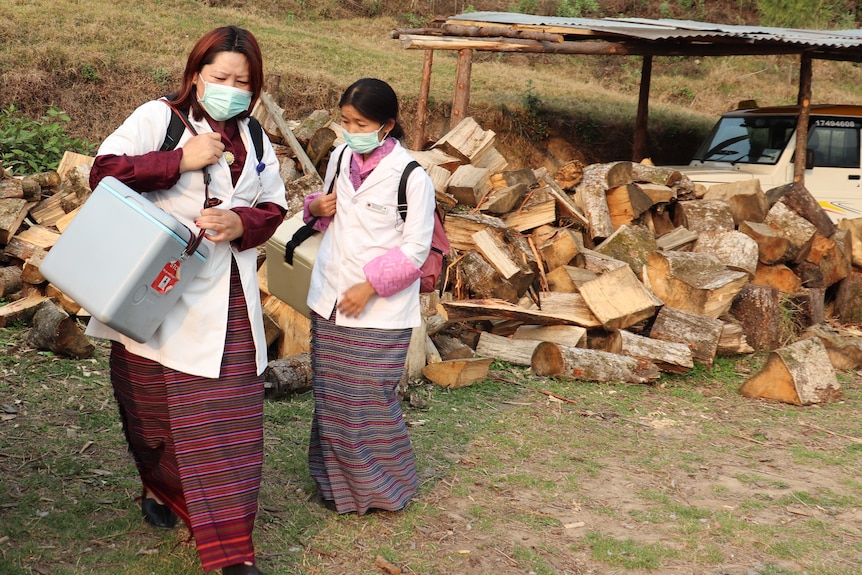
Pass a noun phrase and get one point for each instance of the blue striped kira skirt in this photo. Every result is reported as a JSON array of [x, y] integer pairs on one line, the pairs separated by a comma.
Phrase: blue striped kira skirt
[[359, 453]]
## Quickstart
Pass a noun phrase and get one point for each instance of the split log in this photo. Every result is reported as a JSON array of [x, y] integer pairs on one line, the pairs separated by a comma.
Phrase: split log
[[701, 334], [514, 178], [553, 360], [561, 249], [778, 276], [504, 200], [492, 160], [514, 351], [287, 376], [823, 262], [799, 374], [758, 310], [295, 327], [631, 244], [656, 193], [12, 214], [10, 280], [11, 188], [415, 360], [567, 279], [746, 199], [481, 280], [618, 299], [807, 307], [599, 263], [656, 175], [460, 228], [790, 225], [675, 239], [797, 198], [693, 282], [854, 227], [308, 167], [569, 175], [30, 272], [732, 341], [703, 215], [626, 203], [668, 356], [431, 353], [734, 249], [457, 372], [499, 249], [566, 207], [53, 329], [772, 246], [844, 349], [21, 310], [568, 335], [609, 175], [449, 347], [39, 236], [591, 195], [572, 312], [848, 299], [71, 306], [469, 184], [72, 160], [467, 141], [538, 208]]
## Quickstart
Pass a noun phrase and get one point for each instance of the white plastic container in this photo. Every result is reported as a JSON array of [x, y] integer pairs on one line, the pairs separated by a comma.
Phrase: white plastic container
[[289, 283], [121, 259]]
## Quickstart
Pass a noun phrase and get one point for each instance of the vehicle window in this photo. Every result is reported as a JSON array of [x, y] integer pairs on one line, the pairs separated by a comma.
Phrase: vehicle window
[[751, 140], [835, 147]]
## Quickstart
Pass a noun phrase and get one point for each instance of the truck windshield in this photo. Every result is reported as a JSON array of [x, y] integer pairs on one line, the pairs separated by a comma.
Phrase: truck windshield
[[748, 140]]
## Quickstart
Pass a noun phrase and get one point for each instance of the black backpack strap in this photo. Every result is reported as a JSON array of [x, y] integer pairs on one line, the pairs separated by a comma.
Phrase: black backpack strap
[[178, 124], [256, 137], [402, 188], [308, 230]]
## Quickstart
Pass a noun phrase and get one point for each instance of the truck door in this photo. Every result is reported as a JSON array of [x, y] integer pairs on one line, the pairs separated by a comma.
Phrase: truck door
[[835, 179]]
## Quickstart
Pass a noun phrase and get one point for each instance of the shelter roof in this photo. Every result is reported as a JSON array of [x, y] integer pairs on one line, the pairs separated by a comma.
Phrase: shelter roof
[[513, 32]]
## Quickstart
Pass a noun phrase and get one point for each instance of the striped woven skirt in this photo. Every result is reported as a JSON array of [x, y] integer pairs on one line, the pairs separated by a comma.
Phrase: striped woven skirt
[[359, 453], [198, 442]]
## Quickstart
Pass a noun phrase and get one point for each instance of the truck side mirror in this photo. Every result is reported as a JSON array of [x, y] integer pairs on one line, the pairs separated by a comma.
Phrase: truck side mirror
[[809, 158]]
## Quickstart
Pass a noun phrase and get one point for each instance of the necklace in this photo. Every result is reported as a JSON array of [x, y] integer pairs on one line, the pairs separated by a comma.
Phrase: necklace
[[228, 156]]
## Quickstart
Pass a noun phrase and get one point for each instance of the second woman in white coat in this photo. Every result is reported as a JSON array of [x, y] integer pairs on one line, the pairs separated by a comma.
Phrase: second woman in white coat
[[364, 297]]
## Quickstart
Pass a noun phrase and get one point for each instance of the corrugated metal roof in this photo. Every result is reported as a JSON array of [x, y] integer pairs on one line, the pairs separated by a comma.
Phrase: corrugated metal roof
[[831, 44]]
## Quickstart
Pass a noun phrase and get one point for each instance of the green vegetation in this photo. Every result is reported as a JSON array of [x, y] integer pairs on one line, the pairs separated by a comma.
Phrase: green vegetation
[[28, 146]]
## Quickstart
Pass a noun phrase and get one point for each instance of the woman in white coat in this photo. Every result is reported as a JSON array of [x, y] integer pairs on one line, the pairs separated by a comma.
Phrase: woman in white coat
[[191, 398], [364, 297]]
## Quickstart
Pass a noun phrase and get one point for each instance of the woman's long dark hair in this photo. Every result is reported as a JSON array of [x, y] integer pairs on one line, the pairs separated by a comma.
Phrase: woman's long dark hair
[[376, 100]]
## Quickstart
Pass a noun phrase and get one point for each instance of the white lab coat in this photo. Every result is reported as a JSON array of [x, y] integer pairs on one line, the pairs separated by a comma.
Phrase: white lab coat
[[367, 225], [191, 338]]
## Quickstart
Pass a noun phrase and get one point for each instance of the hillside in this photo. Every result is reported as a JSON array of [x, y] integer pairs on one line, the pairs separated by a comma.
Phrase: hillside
[[97, 61]]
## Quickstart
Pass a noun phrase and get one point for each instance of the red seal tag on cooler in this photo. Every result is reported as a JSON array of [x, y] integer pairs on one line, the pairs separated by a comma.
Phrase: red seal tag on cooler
[[167, 278]]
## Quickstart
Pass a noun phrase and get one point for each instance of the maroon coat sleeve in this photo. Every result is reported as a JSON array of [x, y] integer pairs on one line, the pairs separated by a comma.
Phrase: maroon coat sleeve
[[259, 223], [152, 171]]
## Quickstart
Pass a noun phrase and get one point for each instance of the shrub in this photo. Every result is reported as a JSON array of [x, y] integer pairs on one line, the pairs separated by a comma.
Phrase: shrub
[[36, 146]]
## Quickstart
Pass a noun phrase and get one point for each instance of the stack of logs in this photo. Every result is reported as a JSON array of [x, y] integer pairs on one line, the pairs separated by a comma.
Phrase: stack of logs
[[606, 272]]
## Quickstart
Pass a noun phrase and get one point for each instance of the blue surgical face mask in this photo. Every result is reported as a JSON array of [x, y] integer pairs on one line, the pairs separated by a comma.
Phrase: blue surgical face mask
[[363, 142], [224, 102]]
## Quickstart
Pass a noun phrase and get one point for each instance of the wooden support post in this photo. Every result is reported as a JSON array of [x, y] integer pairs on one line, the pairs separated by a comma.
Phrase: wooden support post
[[804, 101], [422, 106], [462, 87], [639, 144], [306, 163]]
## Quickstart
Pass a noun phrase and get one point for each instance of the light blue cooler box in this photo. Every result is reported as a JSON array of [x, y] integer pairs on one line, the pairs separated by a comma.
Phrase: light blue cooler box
[[122, 259]]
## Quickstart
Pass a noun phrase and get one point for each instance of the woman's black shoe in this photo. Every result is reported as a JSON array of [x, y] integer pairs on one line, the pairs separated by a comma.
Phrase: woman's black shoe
[[158, 515], [241, 569]]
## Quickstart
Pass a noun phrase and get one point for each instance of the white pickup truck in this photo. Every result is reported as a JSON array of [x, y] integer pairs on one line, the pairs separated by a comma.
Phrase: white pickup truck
[[760, 143]]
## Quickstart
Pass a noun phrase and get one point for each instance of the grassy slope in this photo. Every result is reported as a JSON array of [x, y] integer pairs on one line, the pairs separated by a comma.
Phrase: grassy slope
[[99, 60]]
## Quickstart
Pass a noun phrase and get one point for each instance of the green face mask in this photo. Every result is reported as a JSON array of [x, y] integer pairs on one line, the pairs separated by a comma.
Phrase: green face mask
[[364, 142], [224, 102]]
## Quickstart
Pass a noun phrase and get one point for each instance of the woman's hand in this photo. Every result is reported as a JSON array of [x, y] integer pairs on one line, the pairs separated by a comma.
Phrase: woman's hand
[[202, 150], [355, 299], [226, 224], [323, 205]]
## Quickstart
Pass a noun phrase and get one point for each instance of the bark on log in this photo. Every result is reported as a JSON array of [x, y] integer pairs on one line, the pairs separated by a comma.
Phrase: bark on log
[[703, 215], [823, 262], [554, 360], [732, 341], [21, 310], [701, 334], [848, 299], [481, 280], [693, 282], [631, 244], [734, 249], [757, 309], [797, 197], [668, 356], [54, 330], [287, 376], [514, 351], [854, 227], [10, 280], [845, 351], [799, 374], [450, 347], [746, 200], [790, 225], [771, 245], [573, 312], [569, 335]]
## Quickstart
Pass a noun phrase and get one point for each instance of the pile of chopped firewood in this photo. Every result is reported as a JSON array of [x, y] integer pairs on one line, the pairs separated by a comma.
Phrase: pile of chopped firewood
[[606, 272]]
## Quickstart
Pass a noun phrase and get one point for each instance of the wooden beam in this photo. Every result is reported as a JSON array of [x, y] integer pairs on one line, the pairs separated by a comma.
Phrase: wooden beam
[[639, 144], [462, 87], [804, 101], [306, 163], [422, 106]]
